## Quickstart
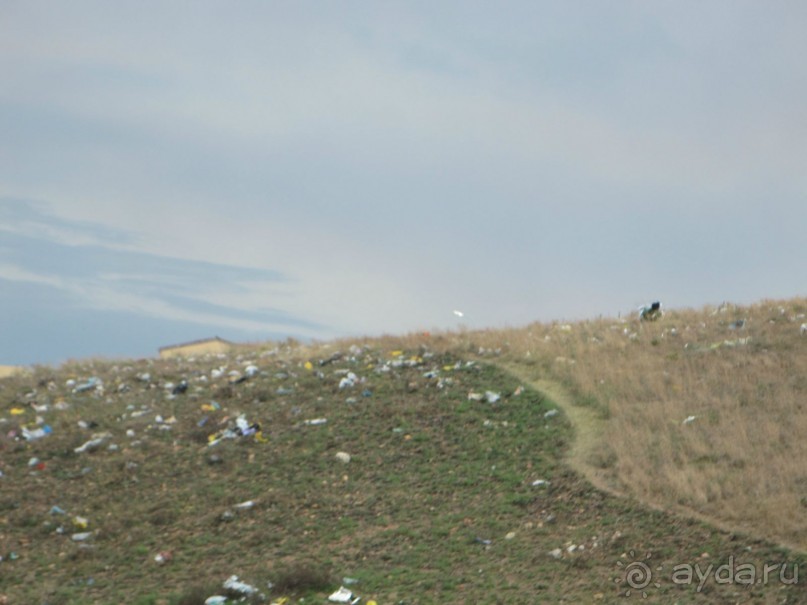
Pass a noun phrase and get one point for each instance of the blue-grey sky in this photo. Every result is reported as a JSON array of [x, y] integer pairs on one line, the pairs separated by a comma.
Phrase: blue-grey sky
[[258, 169]]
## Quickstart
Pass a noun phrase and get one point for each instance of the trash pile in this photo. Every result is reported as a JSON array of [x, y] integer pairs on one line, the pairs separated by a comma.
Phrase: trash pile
[[129, 453]]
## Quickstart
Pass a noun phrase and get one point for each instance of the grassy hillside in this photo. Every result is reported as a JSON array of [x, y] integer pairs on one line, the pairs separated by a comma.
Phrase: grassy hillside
[[741, 372], [458, 487]]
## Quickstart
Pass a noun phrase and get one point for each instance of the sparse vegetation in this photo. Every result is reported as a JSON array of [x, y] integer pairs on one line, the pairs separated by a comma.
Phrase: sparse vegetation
[[437, 502]]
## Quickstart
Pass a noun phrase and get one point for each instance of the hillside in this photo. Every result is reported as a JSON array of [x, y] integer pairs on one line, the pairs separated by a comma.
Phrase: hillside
[[411, 470]]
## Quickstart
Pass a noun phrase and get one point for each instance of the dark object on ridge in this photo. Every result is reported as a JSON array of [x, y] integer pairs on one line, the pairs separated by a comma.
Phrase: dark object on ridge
[[737, 325], [331, 359], [650, 312], [180, 388]]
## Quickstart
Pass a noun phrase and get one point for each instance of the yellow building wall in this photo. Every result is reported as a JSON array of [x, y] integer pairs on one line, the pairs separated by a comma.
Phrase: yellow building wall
[[198, 348], [6, 371]]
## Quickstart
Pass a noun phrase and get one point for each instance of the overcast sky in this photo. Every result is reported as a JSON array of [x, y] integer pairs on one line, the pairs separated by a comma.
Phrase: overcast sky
[[258, 169]]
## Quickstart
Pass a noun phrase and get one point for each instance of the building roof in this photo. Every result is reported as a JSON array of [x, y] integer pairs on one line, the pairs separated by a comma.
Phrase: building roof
[[195, 342]]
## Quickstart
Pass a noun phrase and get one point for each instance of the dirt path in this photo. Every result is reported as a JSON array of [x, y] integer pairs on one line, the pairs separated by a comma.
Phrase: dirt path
[[588, 427]]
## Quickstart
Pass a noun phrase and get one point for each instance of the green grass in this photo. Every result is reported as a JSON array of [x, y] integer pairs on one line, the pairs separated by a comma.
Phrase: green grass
[[436, 505]]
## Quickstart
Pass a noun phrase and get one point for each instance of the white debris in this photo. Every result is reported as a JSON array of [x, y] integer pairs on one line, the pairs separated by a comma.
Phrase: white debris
[[96, 441], [492, 397], [234, 584], [689, 419], [251, 370], [556, 553], [315, 421], [540, 483], [550, 413], [458, 313], [348, 381], [343, 595], [343, 457], [803, 329], [245, 505]]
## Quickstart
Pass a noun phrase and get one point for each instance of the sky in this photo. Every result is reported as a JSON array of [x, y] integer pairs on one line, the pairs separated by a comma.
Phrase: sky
[[258, 170]]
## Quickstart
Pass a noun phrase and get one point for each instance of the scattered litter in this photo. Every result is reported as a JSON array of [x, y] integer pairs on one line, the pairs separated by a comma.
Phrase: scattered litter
[[215, 600], [336, 356], [550, 413], [242, 428], [556, 553], [251, 371], [540, 483], [91, 384], [181, 388], [315, 421], [510, 535], [35, 434], [245, 505], [163, 557], [245, 428], [475, 396], [650, 312], [81, 537], [689, 419], [737, 325], [234, 584], [492, 397], [80, 522], [803, 329], [343, 595], [343, 457], [57, 510], [93, 443], [348, 381], [483, 541]]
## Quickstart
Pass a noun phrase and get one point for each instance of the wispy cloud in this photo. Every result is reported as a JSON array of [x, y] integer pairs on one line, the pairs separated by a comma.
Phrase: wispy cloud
[[82, 262]]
